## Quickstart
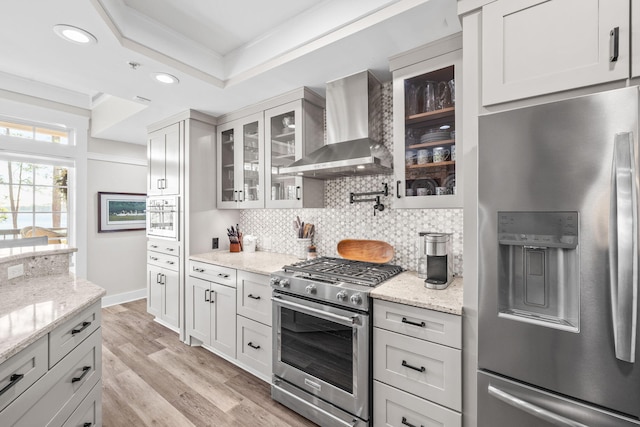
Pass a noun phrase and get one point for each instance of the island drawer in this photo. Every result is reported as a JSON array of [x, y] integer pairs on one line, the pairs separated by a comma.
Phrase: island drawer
[[396, 408], [59, 392], [213, 273], [254, 297], [67, 336], [430, 325], [89, 413], [19, 372], [428, 370]]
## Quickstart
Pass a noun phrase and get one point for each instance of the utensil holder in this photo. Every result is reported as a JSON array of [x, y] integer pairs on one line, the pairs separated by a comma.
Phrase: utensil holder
[[234, 247], [301, 247]]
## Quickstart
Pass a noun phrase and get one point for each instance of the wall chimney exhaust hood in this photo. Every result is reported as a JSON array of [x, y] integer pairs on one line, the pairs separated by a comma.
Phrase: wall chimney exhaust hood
[[354, 133]]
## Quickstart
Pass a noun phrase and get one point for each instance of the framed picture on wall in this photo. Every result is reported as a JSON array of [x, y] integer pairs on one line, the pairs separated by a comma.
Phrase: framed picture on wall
[[121, 211]]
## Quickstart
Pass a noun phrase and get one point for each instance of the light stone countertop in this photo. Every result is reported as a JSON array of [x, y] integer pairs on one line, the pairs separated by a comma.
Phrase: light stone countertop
[[259, 262], [407, 288], [32, 307], [13, 254]]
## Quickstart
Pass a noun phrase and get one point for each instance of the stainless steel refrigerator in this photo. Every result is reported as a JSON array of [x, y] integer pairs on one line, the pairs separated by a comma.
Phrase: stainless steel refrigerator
[[558, 264]]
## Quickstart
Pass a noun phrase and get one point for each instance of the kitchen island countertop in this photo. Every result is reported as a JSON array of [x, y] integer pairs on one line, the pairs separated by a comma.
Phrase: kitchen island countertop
[[259, 262], [407, 288], [32, 307]]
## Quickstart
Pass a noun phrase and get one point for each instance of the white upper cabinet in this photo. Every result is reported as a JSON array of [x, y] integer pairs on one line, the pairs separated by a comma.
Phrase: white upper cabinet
[[426, 114], [536, 47], [635, 41], [292, 130], [241, 163], [163, 152]]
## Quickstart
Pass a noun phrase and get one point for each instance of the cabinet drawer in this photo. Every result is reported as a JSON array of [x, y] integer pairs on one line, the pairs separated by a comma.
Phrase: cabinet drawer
[[420, 367], [89, 412], [395, 408], [67, 336], [167, 247], [254, 346], [254, 297], [170, 262], [435, 326], [22, 370], [59, 392], [213, 273]]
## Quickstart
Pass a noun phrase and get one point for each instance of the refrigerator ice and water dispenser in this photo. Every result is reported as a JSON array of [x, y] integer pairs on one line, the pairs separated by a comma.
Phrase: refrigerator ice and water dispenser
[[538, 268]]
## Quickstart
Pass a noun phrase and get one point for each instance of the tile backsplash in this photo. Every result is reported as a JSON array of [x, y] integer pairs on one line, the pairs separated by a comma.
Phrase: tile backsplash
[[340, 219]]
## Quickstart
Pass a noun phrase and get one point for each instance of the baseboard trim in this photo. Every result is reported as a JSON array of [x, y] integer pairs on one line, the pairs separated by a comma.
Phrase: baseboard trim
[[110, 300]]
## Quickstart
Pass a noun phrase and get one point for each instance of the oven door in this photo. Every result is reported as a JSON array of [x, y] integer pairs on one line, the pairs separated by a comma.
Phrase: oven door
[[162, 217], [323, 350]]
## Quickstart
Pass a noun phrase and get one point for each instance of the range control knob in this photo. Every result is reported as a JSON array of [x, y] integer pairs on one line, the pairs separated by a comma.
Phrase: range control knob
[[311, 289], [274, 281], [284, 283], [342, 295], [356, 299]]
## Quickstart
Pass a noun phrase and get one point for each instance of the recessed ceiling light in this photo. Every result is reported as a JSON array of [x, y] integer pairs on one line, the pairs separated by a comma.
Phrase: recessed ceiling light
[[74, 34], [165, 78]]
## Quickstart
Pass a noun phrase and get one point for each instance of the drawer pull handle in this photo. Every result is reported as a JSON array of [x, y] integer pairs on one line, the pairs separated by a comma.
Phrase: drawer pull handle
[[170, 262], [224, 276], [170, 249], [85, 371], [153, 258], [87, 425], [252, 345], [80, 328], [408, 322], [199, 270], [12, 381], [407, 423], [154, 246], [253, 296], [406, 365]]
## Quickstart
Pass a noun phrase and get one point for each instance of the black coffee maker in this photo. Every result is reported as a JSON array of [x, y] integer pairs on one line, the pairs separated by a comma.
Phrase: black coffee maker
[[438, 261]]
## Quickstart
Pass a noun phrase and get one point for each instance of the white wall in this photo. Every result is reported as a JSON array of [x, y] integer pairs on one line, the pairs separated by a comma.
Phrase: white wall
[[116, 260]]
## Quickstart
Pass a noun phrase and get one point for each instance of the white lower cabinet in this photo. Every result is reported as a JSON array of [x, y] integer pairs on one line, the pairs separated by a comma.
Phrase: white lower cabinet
[[393, 407], [211, 314], [66, 392], [163, 282], [254, 346], [229, 311], [417, 366]]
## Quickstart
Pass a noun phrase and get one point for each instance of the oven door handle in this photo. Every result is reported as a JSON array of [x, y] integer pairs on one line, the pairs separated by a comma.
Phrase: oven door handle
[[348, 321]]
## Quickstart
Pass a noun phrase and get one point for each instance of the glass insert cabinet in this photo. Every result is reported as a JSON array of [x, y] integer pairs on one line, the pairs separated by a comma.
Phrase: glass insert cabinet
[[427, 156], [241, 161]]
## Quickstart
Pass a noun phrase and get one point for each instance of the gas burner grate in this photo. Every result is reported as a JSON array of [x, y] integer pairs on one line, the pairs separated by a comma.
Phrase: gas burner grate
[[339, 269]]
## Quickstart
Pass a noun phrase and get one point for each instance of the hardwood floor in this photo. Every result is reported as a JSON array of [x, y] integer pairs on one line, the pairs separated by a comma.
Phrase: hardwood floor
[[150, 378]]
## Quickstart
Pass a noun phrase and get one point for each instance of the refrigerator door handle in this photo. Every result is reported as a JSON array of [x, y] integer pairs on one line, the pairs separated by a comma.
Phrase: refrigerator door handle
[[623, 247], [535, 410]]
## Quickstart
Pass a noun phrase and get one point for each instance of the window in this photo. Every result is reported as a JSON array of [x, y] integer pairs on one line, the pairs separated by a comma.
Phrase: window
[[52, 134], [33, 200]]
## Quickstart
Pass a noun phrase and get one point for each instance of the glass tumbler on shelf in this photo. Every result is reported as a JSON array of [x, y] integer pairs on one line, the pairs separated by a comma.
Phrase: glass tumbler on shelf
[[429, 96], [443, 96], [413, 95]]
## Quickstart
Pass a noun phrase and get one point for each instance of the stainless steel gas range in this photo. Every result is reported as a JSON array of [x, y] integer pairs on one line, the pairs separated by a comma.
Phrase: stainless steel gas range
[[322, 338]]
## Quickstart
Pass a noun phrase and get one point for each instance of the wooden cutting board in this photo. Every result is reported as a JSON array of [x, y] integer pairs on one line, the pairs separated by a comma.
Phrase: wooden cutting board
[[366, 250]]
